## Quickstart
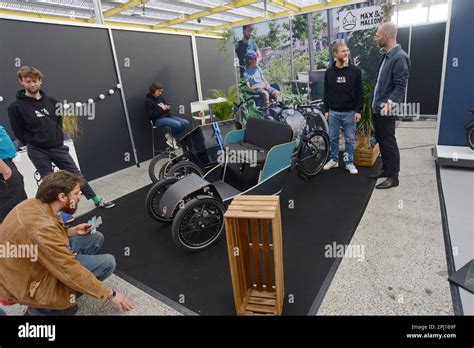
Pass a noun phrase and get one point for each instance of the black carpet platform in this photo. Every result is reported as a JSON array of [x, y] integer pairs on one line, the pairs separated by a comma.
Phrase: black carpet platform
[[327, 209]]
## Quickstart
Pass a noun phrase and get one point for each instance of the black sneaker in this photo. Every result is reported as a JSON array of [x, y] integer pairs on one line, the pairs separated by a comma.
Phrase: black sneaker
[[105, 204]]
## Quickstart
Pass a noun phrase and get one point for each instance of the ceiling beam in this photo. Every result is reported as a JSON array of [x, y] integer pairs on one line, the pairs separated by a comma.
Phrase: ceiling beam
[[165, 30], [156, 12], [122, 7], [219, 9], [59, 18], [195, 7], [286, 13], [286, 4], [38, 15]]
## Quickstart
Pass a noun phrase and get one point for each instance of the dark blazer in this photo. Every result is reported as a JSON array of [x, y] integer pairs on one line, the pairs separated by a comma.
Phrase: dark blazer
[[393, 79]]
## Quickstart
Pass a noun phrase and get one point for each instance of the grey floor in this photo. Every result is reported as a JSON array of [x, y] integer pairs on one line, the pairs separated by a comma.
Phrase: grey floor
[[404, 267], [458, 191]]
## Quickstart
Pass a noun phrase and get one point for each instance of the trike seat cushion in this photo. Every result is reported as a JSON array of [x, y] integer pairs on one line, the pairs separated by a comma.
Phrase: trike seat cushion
[[266, 133], [246, 152]]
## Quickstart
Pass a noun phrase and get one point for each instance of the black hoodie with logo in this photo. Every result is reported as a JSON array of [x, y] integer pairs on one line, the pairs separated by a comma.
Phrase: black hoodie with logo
[[343, 89], [35, 122]]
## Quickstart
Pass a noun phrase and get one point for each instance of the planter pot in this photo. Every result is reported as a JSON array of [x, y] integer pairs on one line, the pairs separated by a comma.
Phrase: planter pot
[[366, 157]]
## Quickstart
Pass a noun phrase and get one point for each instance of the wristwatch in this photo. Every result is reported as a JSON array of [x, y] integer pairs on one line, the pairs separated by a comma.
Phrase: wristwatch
[[114, 293]]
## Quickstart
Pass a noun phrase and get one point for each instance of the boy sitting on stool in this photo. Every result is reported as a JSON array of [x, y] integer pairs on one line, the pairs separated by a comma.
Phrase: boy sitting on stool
[[158, 111]]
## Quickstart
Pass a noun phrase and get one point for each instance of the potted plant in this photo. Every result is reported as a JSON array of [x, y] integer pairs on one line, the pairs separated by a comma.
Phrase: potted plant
[[71, 128], [223, 111], [366, 152]]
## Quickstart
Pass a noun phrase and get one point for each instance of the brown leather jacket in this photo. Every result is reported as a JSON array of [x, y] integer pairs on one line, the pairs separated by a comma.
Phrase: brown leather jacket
[[50, 276]]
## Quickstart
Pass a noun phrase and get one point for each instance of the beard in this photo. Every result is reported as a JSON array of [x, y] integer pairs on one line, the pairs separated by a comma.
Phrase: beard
[[71, 207], [33, 91], [344, 61]]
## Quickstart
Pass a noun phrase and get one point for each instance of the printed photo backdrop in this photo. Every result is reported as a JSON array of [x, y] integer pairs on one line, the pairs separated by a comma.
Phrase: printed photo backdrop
[[284, 45]]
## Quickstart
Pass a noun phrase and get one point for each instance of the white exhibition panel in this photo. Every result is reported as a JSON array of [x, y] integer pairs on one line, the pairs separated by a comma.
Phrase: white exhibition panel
[[31, 176]]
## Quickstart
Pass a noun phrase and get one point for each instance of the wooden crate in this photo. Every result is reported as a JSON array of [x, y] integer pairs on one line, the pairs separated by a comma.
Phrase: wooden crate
[[254, 244], [366, 157]]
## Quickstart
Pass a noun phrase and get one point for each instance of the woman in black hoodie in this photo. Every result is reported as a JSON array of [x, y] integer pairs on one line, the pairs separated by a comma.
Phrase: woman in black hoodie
[[158, 111]]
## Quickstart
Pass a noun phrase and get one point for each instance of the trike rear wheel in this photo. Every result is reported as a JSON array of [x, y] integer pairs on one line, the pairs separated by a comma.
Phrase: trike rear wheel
[[198, 224], [314, 153]]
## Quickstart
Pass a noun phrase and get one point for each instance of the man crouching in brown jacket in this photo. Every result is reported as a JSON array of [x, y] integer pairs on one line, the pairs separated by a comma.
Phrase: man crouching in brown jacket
[[46, 265]]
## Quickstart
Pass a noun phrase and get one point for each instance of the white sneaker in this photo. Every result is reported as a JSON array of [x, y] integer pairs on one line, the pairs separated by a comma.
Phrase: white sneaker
[[331, 164], [352, 169], [171, 141]]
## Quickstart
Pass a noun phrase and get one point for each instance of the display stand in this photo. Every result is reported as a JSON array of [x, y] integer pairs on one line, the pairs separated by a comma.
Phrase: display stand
[[31, 177], [464, 277], [205, 106]]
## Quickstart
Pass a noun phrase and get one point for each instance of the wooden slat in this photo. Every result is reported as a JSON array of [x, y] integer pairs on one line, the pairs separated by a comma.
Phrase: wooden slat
[[253, 203], [245, 300], [267, 261], [243, 215], [261, 314], [278, 262], [238, 296], [263, 294], [240, 269], [256, 198], [366, 158], [256, 254], [252, 207], [244, 250], [259, 308], [262, 301]]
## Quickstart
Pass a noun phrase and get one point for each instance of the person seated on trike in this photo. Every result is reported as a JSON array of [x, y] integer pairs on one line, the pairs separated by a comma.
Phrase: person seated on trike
[[255, 79]]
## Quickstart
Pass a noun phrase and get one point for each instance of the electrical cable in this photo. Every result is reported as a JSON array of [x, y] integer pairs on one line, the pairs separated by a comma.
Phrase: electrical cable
[[416, 127], [415, 147]]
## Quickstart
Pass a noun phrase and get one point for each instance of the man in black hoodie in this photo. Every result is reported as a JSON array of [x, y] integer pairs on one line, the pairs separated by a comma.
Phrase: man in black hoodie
[[36, 122], [343, 100]]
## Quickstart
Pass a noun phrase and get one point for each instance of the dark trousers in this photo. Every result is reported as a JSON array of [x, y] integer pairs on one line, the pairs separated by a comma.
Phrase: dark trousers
[[384, 127], [43, 160], [12, 191]]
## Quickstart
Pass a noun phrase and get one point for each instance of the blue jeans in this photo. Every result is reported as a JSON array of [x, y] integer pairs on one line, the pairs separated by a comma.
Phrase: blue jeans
[[177, 124], [338, 119], [86, 247]]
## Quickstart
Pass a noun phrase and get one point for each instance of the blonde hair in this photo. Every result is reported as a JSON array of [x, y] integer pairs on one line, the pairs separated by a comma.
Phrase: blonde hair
[[337, 46]]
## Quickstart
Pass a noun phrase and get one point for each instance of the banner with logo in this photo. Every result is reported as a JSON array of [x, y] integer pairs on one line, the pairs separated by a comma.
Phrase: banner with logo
[[361, 18]]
